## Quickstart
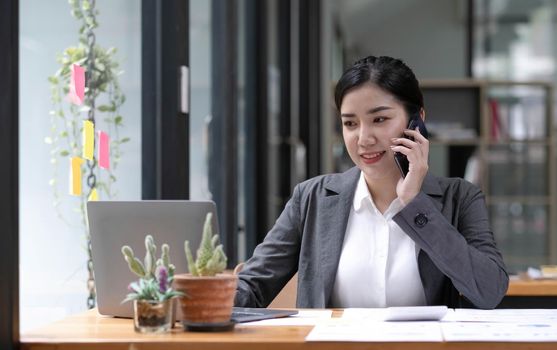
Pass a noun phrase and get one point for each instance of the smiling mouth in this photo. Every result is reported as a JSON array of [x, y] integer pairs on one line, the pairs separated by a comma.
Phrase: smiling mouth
[[371, 155], [370, 158]]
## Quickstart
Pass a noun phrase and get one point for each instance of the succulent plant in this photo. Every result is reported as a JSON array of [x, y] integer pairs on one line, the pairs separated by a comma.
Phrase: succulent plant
[[155, 275], [211, 258]]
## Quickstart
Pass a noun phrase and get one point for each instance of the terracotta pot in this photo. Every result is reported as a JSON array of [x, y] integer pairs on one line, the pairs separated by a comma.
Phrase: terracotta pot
[[207, 299]]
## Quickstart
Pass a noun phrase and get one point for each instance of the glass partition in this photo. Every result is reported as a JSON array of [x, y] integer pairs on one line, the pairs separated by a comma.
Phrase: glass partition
[[54, 267]]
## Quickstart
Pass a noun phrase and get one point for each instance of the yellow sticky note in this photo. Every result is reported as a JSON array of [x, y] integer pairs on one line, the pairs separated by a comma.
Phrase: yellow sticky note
[[88, 139], [93, 196], [75, 176]]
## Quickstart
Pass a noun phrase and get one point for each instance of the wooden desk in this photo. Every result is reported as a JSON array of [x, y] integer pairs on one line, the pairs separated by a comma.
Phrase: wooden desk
[[546, 288], [530, 294], [88, 331]]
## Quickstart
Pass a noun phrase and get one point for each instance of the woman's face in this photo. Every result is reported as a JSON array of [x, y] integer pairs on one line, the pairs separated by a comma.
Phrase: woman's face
[[371, 117]]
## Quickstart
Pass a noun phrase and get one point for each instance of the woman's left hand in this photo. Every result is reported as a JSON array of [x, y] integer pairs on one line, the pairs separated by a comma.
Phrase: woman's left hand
[[417, 152]]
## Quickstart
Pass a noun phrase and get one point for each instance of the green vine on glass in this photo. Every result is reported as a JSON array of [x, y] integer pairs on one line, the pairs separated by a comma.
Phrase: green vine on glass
[[66, 118], [102, 102]]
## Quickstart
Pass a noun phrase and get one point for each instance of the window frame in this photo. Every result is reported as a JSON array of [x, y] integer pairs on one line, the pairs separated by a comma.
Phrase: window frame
[[9, 176]]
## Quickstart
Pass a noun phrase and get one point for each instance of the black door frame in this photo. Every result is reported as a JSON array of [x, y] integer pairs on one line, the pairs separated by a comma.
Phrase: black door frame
[[256, 178], [165, 124], [310, 83], [9, 175], [223, 150]]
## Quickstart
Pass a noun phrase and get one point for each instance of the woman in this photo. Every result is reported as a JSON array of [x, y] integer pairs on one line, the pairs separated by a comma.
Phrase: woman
[[370, 237]]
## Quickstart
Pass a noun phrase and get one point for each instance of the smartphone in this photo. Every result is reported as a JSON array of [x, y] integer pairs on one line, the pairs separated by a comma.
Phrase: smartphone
[[400, 159]]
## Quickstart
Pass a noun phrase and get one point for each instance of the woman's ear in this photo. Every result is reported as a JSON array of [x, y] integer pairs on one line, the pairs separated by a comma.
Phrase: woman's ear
[[422, 114]]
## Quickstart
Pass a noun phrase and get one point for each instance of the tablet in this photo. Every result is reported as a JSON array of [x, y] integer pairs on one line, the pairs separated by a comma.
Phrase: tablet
[[415, 313]]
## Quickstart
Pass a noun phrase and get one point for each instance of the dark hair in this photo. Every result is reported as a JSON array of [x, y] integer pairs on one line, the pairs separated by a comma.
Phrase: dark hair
[[388, 73]]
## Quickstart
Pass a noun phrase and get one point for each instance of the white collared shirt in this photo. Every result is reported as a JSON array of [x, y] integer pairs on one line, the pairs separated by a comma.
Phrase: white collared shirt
[[378, 265]]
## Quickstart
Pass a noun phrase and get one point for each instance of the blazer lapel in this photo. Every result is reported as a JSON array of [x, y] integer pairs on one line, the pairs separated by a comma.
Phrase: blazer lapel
[[334, 214]]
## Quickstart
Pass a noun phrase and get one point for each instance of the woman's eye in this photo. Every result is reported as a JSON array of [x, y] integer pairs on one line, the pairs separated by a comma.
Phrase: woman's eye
[[379, 119], [348, 123]]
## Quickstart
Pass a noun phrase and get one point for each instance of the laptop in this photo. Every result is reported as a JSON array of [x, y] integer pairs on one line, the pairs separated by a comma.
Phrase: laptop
[[113, 224]]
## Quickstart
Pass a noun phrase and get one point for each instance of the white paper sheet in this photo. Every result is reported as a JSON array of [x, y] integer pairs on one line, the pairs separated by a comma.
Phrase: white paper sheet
[[302, 318], [358, 330], [369, 314], [504, 325], [533, 316], [408, 314], [499, 332]]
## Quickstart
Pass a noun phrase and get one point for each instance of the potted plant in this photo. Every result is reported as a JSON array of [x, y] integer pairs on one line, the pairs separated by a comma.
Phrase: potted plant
[[152, 294], [208, 293]]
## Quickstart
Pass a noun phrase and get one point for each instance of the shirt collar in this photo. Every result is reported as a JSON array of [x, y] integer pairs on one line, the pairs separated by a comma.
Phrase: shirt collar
[[362, 193]]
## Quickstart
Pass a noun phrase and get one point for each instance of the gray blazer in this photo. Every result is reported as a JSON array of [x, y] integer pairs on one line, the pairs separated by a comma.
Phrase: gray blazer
[[447, 220]]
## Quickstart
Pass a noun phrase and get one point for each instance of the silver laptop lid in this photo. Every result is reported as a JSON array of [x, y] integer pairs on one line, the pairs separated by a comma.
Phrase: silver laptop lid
[[113, 224]]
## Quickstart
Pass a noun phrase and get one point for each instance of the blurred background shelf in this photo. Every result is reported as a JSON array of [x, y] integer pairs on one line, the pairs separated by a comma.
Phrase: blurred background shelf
[[498, 135]]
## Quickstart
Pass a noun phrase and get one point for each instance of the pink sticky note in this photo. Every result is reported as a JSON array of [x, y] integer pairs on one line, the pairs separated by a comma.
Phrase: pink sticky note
[[77, 85], [104, 150]]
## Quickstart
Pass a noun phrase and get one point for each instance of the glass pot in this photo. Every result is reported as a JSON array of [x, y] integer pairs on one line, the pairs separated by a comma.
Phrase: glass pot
[[152, 316]]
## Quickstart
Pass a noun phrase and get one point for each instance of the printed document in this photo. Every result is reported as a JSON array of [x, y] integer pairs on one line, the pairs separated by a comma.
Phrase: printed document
[[341, 329], [499, 332]]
